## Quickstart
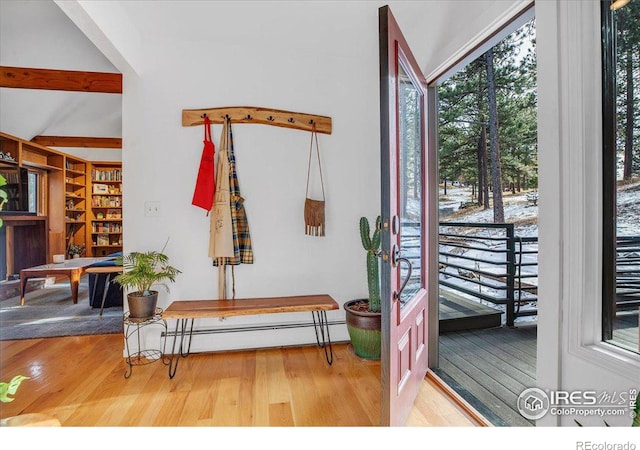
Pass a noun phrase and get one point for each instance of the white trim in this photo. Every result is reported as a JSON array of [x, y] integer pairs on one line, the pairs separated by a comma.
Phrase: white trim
[[550, 249], [570, 351], [487, 38], [584, 230]]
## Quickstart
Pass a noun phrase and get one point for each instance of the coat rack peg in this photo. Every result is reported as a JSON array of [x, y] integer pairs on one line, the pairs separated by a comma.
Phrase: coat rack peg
[[257, 115]]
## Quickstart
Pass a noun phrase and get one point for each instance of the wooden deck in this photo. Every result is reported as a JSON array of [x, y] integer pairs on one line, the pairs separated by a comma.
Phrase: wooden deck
[[490, 368], [457, 313]]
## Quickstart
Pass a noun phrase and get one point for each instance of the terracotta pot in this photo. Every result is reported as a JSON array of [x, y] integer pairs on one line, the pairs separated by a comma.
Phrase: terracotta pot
[[364, 330], [142, 306]]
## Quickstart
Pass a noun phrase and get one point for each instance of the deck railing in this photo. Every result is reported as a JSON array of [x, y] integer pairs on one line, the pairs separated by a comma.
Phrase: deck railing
[[489, 262], [628, 272]]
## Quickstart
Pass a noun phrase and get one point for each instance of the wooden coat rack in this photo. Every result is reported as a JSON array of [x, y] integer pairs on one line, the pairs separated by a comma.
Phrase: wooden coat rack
[[264, 116]]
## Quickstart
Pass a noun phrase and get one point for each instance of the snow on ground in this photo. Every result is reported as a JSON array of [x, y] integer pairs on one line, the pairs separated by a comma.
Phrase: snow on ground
[[517, 210], [629, 209]]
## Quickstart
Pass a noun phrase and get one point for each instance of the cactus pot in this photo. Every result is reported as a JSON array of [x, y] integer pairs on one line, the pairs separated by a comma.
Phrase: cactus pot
[[364, 328], [142, 306]]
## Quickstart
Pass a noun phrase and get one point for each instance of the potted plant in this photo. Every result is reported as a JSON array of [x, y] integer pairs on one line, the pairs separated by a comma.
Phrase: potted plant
[[76, 250], [141, 271], [363, 315]]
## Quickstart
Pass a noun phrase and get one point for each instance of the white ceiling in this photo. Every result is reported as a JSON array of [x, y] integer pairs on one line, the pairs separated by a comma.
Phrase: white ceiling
[[37, 34]]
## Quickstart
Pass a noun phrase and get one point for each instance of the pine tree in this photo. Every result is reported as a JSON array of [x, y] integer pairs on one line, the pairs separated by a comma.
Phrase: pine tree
[[465, 120]]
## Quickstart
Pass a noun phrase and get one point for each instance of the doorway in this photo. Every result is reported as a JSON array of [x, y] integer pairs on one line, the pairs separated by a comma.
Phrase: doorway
[[488, 209]]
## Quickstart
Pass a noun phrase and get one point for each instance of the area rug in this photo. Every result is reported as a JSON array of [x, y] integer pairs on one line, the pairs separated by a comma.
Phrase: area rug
[[50, 312]]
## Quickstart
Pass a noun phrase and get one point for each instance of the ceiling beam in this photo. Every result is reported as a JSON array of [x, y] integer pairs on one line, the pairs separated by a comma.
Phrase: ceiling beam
[[78, 141], [60, 80]]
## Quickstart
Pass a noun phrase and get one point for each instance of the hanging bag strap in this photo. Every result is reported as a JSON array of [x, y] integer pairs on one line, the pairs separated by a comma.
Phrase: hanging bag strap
[[314, 137]]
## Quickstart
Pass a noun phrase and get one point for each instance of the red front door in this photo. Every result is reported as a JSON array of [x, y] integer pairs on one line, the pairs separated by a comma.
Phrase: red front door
[[404, 274]]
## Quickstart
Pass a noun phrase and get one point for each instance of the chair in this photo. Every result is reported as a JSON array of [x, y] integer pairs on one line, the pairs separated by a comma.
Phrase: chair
[[100, 277]]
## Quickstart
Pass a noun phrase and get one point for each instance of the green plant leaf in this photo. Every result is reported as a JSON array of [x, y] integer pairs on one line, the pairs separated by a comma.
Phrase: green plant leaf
[[142, 270], [10, 388]]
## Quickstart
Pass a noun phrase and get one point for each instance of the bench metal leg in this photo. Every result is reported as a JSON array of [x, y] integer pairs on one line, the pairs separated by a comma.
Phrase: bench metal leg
[[185, 344], [322, 331], [184, 332]]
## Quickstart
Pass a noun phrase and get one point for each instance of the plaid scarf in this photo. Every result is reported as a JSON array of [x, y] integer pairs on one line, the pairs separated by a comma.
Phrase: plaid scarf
[[243, 252]]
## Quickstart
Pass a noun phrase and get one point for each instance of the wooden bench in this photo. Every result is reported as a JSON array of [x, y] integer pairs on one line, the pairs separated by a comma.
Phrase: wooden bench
[[186, 311]]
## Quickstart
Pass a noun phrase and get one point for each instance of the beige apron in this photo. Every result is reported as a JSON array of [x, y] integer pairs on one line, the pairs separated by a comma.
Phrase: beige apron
[[220, 231]]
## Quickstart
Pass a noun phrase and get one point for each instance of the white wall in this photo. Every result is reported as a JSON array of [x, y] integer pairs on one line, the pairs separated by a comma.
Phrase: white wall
[[93, 154], [161, 160], [571, 355]]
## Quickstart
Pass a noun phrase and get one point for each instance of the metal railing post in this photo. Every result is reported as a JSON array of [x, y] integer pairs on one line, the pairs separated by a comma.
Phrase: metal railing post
[[511, 272]]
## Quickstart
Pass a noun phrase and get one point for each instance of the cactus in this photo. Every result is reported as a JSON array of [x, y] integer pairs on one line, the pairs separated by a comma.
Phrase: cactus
[[372, 245]]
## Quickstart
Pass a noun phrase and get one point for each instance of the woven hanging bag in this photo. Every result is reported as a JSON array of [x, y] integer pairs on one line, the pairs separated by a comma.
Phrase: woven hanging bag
[[314, 217]]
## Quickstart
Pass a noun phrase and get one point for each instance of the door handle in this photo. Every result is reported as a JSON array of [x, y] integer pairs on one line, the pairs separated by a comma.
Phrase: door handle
[[395, 260]]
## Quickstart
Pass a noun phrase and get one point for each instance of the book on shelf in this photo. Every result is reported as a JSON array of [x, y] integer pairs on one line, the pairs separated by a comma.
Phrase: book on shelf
[[107, 175]]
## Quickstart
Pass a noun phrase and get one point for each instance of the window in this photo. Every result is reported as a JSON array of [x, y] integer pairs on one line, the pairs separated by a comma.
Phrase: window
[[34, 189], [621, 173]]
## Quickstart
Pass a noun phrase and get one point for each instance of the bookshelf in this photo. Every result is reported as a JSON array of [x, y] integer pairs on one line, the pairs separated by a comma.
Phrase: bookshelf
[[106, 208], [75, 208]]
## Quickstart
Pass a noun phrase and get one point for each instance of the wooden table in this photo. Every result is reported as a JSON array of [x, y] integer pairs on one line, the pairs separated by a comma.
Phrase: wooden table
[[72, 268]]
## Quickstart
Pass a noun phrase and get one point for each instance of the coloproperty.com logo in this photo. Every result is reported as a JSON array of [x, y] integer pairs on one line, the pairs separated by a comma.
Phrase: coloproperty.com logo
[[535, 403]]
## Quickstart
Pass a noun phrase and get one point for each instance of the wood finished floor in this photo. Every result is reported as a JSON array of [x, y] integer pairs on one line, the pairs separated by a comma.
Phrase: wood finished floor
[[80, 381]]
